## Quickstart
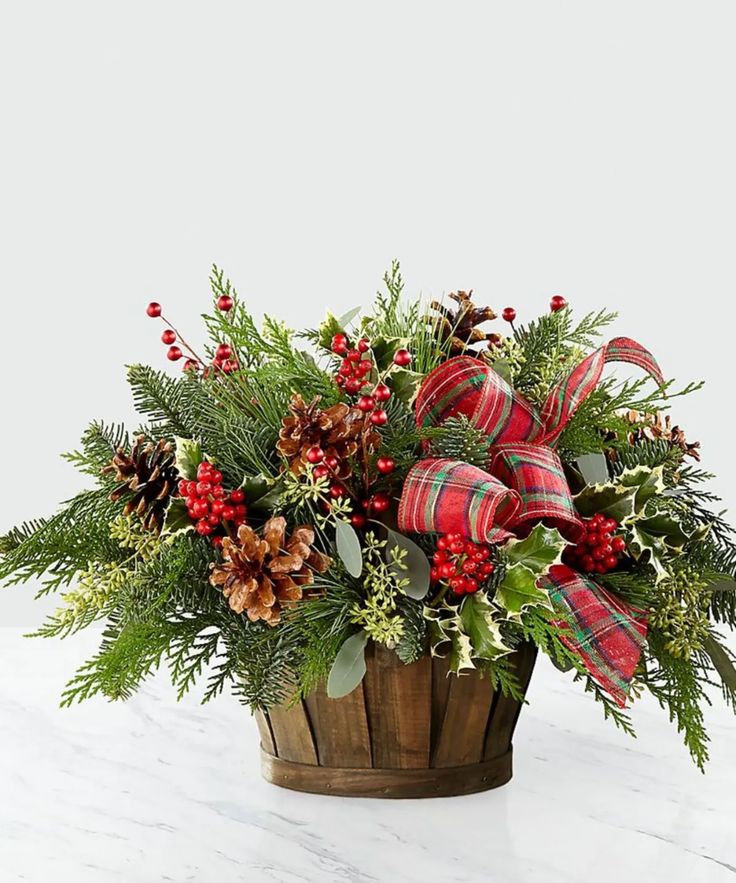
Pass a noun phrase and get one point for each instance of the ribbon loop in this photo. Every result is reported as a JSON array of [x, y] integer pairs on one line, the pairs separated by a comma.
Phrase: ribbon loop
[[448, 496]]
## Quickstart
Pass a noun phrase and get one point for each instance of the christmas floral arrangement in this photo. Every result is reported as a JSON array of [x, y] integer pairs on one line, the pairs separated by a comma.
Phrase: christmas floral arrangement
[[401, 476]]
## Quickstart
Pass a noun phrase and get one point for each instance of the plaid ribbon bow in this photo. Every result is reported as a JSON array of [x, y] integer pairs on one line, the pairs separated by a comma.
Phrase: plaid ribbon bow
[[523, 485]]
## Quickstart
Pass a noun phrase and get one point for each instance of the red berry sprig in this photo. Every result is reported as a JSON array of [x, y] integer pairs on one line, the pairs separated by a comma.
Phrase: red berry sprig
[[600, 551], [210, 505], [461, 563], [556, 303], [225, 360], [354, 368], [508, 315]]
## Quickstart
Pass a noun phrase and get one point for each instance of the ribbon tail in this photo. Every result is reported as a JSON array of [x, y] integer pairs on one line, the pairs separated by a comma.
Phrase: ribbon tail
[[607, 634]]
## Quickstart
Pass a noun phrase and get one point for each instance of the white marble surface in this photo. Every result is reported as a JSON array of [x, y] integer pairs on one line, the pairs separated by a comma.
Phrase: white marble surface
[[154, 790]]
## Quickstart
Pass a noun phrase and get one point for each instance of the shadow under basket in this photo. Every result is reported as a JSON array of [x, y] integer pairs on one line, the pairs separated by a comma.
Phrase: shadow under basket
[[406, 731]]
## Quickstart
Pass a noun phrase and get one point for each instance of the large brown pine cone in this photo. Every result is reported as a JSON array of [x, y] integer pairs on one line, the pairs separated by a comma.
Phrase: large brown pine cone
[[337, 430], [654, 427], [459, 325], [148, 477], [259, 576]]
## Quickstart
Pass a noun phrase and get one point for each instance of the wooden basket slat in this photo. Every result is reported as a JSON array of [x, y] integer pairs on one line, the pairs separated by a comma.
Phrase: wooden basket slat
[[340, 729], [505, 711], [292, 732], [264, 729], [399, 702], [441, 680], [463, 731]]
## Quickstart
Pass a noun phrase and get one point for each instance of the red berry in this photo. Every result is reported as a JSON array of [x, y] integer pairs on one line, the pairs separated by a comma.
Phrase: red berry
[[442, 543], [364, 345], [184, 487], [402, 358], [509, 314], [228, 513], [610, 561], [482, 554], [352, 385], [457, 584], [345, 369], [366, 403], [218, 492], [587, 563], [471, 585], [385, 465], [204, 488], [174, 354], [217, 542], [337, 490], [339, 344], [154, 310], [332, 462], [230, 367], [340, 381], [191, 365], [225, 303], [558, 302], [606, 548], [434, 574], [241, 510], [382, 393], [321, 471], [457, 547], [203, 470], [353, 356], [212, 519], [364, 367], [447, 569], [217, 507], [168, 336], [618, 544], [380, 502], [237, 496], [598, 518], [379, 417], [224, 351], [204, 528], [469, 566], [358, 520], [315, 454], [609, 525], [486, 568], [597, 554]]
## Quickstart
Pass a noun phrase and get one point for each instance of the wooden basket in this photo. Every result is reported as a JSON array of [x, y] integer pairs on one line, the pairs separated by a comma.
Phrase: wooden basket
[[406, 731]]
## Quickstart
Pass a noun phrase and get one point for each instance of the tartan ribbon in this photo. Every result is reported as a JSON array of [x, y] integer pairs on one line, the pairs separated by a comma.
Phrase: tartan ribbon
[[524, 484]]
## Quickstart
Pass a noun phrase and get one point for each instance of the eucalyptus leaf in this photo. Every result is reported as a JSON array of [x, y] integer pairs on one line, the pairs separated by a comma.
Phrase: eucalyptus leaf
[[188, 457], [416, 563], [593, 468], [721, 660], [349, 667], [348, 548], [348, 317]]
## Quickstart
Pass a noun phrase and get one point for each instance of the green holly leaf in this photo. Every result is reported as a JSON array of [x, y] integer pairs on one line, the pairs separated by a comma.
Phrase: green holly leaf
[[348, 669], [480, 623], [538, 551], [177, 517], [384, 348], [416, 567], [262, 494], [613, 501], [518, 590], [188, 457], [405, 384], [646, 547], [348, 548], [666, 527], [327, 330]]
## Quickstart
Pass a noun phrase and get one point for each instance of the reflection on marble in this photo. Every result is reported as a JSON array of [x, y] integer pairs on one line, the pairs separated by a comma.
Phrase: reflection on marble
[[154, 790]]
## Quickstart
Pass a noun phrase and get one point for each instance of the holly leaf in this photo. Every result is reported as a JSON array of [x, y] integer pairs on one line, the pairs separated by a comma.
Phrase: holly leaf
[[416, 567], [327, 330], [177, 518], [447, 638], [348, 548], [539, 551], [518, 590], [384, 348], [651, 549], [262, 494], [480, 623], [188, 456], [348, 669], [502, 367], [611, 500], [406, 384], [648, 482], [666, 527]]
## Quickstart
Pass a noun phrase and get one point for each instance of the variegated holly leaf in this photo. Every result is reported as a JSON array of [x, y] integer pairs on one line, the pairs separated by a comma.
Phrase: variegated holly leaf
[[177, 517], [447, 639], [405, 384], [539, 551], [481, 624], [646, 547], [612, 500], [188, 457], [648, 482], [518, 590]]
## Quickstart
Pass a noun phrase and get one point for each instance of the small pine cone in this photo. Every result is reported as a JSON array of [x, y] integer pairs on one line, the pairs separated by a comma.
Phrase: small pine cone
[[148, 478], [337, 430], [260, 576], [654, 427], [459, 326]]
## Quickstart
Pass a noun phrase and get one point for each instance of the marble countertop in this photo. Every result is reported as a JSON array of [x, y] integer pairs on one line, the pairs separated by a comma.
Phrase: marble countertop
[[154, 790]]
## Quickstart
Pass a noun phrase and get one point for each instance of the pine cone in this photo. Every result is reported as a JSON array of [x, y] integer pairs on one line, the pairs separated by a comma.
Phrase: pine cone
[[337, 430], [658, 427], [459, 326], [260, 576], [148, 476]]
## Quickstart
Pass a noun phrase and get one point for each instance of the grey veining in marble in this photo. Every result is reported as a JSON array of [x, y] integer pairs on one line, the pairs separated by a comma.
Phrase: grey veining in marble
[[154, 790]]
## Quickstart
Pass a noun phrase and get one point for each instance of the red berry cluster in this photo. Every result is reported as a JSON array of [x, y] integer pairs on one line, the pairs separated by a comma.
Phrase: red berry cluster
[[460, 562], [209, 504], [224, 358], [600, 550]]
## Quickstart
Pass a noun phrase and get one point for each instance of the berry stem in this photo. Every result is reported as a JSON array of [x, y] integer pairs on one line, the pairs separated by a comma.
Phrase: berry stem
[[182, 341]]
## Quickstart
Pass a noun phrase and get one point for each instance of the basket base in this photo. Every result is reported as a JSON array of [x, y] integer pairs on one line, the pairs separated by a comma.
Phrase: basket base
[[397, 783]]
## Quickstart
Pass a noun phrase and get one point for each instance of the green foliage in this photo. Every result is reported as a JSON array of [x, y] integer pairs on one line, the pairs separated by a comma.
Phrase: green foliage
[[458, 439]]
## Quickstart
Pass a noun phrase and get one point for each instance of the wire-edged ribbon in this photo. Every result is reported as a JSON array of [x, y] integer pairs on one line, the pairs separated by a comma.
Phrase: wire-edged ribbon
[[524, 484]]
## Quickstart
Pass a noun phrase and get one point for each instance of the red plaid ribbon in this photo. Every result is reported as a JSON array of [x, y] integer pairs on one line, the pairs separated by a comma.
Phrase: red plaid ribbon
[[525, 482]]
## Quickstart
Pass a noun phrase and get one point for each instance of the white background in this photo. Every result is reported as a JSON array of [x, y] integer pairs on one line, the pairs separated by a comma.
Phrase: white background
[[521, 149]]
